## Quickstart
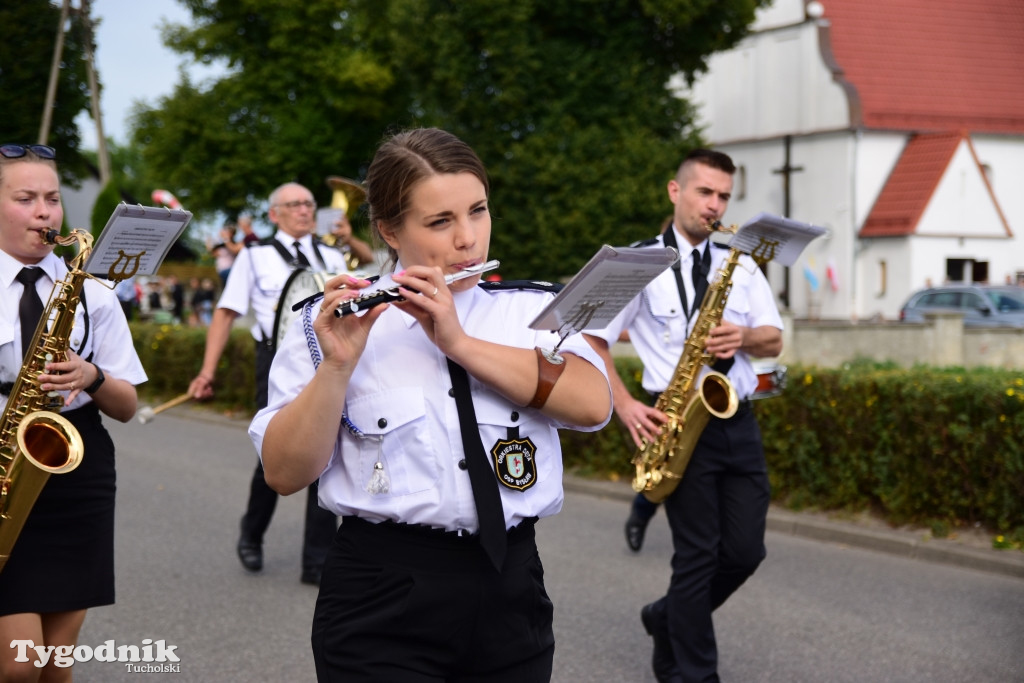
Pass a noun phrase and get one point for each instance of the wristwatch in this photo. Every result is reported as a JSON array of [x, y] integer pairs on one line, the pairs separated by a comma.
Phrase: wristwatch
[[100, 378]]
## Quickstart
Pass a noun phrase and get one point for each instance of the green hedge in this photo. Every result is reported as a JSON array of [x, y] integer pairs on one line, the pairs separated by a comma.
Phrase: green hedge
[[172, 355], [941, 447], [922, 445]]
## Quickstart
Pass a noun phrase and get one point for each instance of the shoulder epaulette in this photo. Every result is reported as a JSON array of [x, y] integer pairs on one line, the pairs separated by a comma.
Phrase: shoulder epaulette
[[644, 243], [264, 242], [719, 245], [535, 285]]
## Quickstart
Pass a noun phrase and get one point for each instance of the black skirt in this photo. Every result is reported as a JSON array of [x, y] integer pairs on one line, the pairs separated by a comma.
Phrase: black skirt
[[63, 559]]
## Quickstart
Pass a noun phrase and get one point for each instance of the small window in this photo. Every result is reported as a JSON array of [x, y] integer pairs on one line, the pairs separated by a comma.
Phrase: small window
[[976, 302], [943, 300]]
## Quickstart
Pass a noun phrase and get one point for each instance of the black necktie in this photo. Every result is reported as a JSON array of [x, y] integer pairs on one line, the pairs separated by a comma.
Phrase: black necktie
[[30, 310], [701, 267], [481, 478], [300, 258]]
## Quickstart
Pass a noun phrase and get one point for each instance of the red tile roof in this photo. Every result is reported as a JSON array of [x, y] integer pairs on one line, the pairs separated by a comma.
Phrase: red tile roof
[[931, 65], [913, 182]]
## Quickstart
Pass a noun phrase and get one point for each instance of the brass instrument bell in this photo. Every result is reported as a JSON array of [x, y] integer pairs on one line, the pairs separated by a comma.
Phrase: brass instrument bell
[[348, 194]]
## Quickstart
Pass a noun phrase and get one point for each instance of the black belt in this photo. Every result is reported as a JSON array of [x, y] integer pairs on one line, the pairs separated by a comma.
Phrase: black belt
[[519, 532]]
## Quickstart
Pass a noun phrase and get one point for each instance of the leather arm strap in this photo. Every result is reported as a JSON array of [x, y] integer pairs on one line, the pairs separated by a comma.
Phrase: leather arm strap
[[548, 374]]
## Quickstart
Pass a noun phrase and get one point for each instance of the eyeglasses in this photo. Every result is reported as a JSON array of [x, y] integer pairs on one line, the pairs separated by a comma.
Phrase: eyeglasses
[[308, 203], [18, 151]]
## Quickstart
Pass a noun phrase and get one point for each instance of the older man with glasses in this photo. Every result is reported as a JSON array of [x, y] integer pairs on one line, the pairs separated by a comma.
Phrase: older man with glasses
[[257, 278]]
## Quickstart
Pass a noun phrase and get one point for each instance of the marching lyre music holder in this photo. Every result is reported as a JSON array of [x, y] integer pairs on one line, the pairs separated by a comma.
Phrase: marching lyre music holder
[[135, 241], [772, 238], [602, 288]]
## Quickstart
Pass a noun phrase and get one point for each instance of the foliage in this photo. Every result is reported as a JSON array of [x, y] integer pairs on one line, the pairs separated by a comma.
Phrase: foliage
[[172, 354], [605, 454], [106, 201], [302, 101], [926, 445], [564, 100], [26, 56]]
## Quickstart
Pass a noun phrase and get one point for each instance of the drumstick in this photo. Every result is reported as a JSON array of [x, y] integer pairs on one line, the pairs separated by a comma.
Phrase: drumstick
[[147, 413]]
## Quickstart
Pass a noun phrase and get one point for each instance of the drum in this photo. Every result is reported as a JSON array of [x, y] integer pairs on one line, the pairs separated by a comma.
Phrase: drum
[[302, 284], [771, 381]]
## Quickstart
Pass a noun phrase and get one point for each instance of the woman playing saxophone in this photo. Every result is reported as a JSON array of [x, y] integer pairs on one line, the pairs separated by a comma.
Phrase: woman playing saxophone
[[63, 560]]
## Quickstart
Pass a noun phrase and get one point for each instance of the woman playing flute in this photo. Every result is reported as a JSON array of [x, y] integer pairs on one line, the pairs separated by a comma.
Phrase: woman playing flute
[[379, 407]]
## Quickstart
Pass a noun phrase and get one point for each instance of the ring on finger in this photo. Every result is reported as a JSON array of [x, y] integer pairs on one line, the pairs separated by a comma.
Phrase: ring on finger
[[639, 426], [434, 293]]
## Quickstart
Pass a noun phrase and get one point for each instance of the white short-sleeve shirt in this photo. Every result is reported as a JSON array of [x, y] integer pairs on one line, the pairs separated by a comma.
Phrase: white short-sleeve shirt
[[658, 326], [398, 399], [100, 332], [259, 274]]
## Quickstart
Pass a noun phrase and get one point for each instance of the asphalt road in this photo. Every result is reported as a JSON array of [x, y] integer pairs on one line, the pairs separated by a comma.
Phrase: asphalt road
[[815, 611]]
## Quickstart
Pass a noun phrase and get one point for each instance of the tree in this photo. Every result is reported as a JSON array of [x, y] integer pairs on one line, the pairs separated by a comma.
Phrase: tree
[[301, 102], [26, 55], [566, 102]]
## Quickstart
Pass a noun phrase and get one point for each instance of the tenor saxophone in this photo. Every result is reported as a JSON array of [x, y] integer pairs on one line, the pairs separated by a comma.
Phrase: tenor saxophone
[[35, 441], [690, 399]]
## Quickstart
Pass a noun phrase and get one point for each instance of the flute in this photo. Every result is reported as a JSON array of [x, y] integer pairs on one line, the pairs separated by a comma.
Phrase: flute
[[391, 294]]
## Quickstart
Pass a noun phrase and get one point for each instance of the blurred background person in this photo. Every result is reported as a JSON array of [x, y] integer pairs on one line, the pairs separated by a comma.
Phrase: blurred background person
[[257, 279], [128, 294], [357, 252], [224, 251]]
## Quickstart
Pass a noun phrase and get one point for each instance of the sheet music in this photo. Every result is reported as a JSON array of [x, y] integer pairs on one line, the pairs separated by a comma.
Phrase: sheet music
[[135, 241], [789, 237], [326, 218], [603, 287]]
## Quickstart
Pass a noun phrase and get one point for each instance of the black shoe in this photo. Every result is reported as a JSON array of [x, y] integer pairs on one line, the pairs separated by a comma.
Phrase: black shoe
[[635, 529], [311, 576], [663, 662], [251, 555]]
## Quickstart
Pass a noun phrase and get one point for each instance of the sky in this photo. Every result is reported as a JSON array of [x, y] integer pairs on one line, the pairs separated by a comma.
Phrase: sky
[[132, 62]]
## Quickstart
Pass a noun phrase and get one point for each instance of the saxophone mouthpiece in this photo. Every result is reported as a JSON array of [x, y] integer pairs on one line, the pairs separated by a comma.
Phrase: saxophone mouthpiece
[[51, 235], [714, 225]]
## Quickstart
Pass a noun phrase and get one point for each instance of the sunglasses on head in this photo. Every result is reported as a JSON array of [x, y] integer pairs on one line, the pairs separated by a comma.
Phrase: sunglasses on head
[[18, 151]]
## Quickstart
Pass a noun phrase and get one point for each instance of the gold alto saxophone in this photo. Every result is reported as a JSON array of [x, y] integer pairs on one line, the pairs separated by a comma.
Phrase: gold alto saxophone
[[690, 398], [35, 441]]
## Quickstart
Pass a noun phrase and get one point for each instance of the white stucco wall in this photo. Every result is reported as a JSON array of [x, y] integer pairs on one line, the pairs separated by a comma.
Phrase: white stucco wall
[[962, 203], [774, 83]]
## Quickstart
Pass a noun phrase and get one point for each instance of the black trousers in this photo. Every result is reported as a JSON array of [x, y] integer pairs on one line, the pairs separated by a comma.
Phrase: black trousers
[[320, 524], [407, 604], [717, 516]]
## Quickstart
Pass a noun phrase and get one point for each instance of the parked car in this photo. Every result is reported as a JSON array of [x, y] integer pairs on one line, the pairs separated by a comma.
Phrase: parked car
[[981, 305]]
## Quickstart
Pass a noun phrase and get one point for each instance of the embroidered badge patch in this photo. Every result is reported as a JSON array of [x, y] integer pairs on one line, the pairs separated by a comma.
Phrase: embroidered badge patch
[[514, 463]]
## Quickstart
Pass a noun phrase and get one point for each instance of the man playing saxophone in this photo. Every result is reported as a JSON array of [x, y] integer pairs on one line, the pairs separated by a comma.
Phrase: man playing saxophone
[[717, 512], [62, 562]]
